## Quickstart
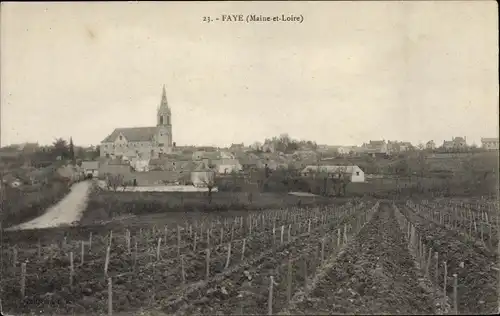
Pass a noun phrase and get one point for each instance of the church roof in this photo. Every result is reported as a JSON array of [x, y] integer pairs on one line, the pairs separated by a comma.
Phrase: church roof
[[132, 134]]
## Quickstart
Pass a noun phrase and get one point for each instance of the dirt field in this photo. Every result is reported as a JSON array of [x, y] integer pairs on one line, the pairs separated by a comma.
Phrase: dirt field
[[476, 267], [375, 275], [138, 274], [364, 257]]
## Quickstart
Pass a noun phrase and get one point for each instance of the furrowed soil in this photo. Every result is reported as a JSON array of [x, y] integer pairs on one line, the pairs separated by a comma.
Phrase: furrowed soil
[[477, 290], [238, 294], [483, 233], [148, 281], [375, 275]]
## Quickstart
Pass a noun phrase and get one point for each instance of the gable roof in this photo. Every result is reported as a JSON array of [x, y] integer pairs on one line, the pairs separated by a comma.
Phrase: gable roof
[[458, 139], [206, 155], [117, 161], [489, 139], [377, 142], [93, 165], [202, 166], [132, 134], [225, 161]]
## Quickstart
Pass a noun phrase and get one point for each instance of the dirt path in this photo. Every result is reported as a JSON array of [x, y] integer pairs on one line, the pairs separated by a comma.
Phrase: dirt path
[[67, 211], [375, 275]]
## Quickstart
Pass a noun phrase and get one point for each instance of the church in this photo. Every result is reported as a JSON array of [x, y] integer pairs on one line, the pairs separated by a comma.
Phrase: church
[[142, 142]]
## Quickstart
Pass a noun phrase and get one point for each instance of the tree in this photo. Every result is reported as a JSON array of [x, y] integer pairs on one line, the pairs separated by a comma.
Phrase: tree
[[210, 183], [113, 181], [340, 181], [60, 148], [71, 150]]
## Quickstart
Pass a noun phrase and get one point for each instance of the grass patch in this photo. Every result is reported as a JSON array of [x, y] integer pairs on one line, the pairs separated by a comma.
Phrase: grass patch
[[21, 205], [104, 205]]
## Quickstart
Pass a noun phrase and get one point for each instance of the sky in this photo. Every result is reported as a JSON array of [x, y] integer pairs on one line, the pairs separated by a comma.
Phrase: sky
[[349, 73]]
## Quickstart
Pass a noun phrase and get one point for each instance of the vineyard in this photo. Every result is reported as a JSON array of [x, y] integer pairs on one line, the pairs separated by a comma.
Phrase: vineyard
[[362, 257]]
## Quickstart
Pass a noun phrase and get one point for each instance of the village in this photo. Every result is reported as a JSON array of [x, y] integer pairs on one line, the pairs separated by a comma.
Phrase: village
[[148, 157]]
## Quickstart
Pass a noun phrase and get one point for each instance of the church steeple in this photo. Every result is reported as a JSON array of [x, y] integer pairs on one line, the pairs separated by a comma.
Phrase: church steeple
[[164, 102], [164, 114], [164, 124]]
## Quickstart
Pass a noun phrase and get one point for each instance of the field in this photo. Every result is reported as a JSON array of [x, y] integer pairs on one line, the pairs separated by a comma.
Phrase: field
[[165, 260], [363, 257]]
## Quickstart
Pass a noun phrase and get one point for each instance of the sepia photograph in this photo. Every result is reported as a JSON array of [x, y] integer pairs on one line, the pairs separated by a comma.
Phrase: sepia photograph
[[249, 158]]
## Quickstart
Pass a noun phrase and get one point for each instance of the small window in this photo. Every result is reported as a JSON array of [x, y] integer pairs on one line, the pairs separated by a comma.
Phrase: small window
[[121, 137], [357, 173]]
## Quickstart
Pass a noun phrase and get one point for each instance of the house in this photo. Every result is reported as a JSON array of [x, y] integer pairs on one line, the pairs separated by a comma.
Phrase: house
[[394, 147], [341, 150], [143, 142], [200, 155], [430, 145], [90, 168], [456, 144], [250, 163], [376, 147], [490, 143], [115, 167], [353, 173], [172, 165], [268, 147], [29, 147], [405, 146], [156, 177], [227, 155], [256, 146], [448, 145], [225, 166], [202, 175], [237, 147], [140, 165]]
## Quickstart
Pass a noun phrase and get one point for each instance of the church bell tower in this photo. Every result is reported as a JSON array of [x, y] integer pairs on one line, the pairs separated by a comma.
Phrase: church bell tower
[[164, 124]]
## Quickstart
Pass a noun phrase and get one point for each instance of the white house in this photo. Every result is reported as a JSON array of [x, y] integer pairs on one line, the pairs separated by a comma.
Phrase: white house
[[91, 168], [354, 173], [490, 143], [225, 166], [140, 165], [202, 175]]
